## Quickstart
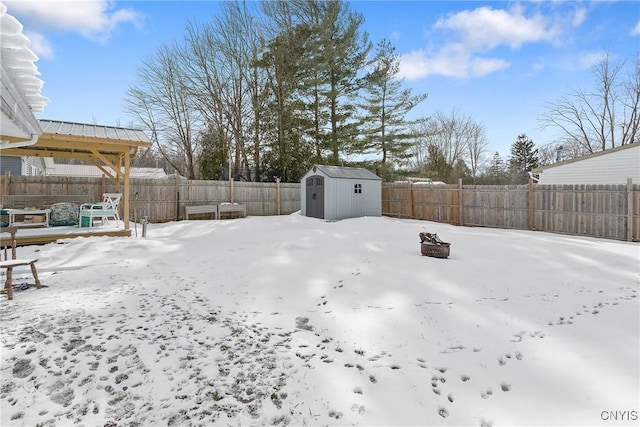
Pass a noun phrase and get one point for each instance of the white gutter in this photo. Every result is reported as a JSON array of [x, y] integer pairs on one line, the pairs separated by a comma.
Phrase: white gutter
[[6, 144]]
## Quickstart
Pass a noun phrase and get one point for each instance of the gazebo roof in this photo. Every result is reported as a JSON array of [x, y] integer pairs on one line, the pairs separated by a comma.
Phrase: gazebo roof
[[96, 143], [92, 131]]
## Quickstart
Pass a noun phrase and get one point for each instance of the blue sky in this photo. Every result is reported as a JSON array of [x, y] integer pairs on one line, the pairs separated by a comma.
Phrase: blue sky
[[498, 62]]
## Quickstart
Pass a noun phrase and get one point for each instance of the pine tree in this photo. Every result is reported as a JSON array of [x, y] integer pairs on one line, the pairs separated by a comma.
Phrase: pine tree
[[312, 61], [214, 161], [497, 169], [288, 153], [385, 129], [524, 157], [344, 50]]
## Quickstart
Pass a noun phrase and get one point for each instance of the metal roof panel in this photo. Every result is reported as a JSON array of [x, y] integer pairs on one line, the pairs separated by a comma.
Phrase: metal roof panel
[[93, 131]]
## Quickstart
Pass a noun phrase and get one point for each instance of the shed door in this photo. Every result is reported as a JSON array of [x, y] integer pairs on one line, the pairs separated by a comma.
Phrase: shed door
[[315, 196]]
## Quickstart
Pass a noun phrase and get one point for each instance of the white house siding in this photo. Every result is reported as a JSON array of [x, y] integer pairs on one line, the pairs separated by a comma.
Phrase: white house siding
[[33, 166], [22, 166], [603, 168]]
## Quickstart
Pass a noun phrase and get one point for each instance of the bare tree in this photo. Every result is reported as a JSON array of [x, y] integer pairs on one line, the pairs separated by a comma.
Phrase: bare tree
[[449, 146], [605, 117], [162, 105], [224, 80], [476, 147], [419, 154]]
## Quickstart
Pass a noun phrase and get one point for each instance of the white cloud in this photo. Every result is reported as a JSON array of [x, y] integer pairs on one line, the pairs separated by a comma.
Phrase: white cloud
[[94, 19], [579, 16], [473, 33], [39, 45], [452, 61], [589, 59], [636, 29], [486, 28], [537, 67]]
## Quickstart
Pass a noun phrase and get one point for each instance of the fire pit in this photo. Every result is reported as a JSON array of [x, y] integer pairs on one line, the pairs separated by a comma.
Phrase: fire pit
[[432, 246]]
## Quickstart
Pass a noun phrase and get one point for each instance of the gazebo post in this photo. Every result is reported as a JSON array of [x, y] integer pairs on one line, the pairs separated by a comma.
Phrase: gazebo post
[[125, 213]]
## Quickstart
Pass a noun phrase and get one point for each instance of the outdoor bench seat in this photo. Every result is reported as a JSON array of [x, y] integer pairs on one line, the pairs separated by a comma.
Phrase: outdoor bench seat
[[203, 209], [9, 264]]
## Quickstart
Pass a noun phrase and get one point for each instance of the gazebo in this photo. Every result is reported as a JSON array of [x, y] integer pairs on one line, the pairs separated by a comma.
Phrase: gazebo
[[21, 134], [108, 148]]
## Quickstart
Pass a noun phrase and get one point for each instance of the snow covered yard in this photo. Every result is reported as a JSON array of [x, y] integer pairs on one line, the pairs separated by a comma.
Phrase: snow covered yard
[[293, 320]]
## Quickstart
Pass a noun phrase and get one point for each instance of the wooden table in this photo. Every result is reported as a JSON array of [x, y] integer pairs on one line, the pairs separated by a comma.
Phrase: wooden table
[[25, 213]]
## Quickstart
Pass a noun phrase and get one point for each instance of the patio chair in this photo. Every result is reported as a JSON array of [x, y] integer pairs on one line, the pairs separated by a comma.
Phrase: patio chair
[[9, 264], [105, 210]]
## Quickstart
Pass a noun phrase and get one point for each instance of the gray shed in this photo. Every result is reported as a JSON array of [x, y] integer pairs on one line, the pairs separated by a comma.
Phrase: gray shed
[[333, 193]]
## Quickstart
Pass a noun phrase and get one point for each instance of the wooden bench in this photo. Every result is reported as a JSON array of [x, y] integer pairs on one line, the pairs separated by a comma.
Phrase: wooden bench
[[231, 208], [8, 264], [198, 210]]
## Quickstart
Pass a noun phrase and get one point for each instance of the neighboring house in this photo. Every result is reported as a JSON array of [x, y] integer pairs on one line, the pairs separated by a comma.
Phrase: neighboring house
[[333, 193], [611, 166], [23, 166], [55, 169]]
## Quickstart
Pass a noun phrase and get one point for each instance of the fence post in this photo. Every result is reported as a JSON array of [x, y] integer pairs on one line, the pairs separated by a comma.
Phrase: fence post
[[177, 194], [460, 203], [278, 194], [629, 209], [530, 216], [231, 190], [411, 209], [5, 184]]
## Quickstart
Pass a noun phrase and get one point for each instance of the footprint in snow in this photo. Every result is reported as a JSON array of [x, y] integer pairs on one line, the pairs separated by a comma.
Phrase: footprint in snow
[[335, 414]]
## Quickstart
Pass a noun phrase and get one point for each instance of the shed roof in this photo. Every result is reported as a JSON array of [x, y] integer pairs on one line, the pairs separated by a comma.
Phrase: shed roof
[[346, 172]]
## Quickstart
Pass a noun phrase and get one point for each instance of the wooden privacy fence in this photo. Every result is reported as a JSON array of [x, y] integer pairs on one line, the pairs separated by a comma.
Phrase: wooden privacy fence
[[608, 211], [162, 199]]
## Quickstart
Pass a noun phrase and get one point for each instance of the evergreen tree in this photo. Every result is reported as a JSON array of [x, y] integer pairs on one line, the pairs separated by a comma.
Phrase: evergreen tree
[[312, 61], [384, 127], [343, 53], [497, 169], [213, 161], [288, 153], [524, 157], [436, 166]]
